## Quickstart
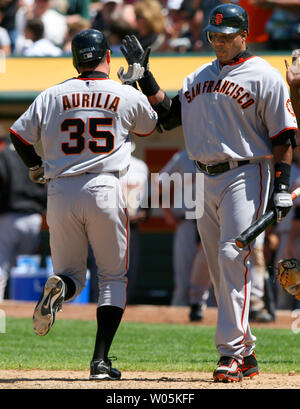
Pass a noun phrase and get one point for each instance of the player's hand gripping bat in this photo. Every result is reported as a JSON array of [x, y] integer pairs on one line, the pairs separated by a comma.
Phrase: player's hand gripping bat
[[260, 225]]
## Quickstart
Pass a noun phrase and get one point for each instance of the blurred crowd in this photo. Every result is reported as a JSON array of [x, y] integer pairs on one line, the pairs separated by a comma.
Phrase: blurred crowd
[[46, 27]]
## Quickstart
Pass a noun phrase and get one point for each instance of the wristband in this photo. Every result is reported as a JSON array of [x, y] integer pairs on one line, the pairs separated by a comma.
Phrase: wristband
[[148, 84], [282, 177]]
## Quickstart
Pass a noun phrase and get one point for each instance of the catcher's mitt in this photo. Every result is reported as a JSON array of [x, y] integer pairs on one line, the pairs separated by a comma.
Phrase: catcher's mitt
[[289, 276]]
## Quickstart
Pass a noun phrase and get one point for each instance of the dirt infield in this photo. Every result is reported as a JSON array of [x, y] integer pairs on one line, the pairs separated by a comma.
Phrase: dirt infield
[[39, 379]]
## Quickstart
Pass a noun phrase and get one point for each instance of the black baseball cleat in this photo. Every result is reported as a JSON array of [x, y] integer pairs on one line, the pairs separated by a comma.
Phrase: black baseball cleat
[[48, 305], [196, 312], [249, 366], [101, 370], [228, 370]]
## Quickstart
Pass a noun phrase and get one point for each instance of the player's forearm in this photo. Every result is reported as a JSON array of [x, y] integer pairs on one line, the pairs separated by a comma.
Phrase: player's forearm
[[157, 98], [283, 154]]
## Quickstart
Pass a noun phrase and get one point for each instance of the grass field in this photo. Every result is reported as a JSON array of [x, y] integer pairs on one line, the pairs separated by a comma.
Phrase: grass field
[[139, 347]]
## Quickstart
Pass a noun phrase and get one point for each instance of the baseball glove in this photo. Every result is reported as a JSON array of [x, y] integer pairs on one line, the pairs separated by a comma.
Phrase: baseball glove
[[289, 276]]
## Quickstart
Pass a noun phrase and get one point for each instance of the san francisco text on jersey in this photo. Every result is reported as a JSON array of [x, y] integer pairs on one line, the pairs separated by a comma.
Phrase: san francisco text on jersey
[[225, 87]]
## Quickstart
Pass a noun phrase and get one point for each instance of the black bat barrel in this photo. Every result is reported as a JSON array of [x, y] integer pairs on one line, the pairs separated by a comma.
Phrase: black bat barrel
[[256, 228]]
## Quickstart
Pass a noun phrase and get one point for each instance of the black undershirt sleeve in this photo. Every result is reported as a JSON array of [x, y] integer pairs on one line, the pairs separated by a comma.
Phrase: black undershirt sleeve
[[26, 152], [173, 119], [286, 138]]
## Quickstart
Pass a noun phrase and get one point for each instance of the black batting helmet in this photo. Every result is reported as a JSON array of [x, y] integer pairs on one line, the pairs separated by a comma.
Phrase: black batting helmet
[[227, 19], [87, 46]]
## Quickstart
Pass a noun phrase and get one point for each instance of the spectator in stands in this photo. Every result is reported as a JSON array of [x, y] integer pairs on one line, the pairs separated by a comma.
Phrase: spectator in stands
[[194, 17], [109, 11], [118, 30], [150, 23], [5, 43], [22, 204], [174, 24], [74, 27], [186, 20], [40, 46], [283, 26], [78, 9], [55, 24], [8, 8], [74, 10]]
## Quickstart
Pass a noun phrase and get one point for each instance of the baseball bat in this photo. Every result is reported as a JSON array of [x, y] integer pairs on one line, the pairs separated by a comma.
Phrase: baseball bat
[[260, 225]]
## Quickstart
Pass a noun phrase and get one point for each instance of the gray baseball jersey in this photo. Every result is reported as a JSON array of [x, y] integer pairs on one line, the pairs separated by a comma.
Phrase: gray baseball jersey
[[84, 124], [253, 96]]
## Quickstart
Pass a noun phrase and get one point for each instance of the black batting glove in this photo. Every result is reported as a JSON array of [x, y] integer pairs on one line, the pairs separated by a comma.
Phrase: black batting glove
[[134, 52]]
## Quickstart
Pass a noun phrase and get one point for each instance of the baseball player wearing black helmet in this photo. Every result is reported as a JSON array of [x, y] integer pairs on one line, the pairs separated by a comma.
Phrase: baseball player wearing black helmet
[[227, 19], [84, 125], [236, 114], [87, 46]]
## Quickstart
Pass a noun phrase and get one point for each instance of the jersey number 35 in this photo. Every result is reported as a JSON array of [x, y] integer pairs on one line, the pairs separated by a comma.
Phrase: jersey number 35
[[104, 139]]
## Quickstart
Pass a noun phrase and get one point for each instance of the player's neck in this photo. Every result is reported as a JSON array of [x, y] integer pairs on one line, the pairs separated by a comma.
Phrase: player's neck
[[238, 59], [93, 74]]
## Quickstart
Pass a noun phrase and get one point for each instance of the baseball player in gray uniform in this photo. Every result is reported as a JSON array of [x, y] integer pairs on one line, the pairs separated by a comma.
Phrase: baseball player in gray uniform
[[84, 125], [185, 235], [236, 115], [190, 279], [137, 197]]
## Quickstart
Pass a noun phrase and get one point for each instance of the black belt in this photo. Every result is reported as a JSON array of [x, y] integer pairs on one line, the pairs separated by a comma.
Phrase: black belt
[[219, 167]]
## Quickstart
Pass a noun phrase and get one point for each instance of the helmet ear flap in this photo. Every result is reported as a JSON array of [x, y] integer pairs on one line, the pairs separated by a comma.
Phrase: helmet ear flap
[[208, 37]]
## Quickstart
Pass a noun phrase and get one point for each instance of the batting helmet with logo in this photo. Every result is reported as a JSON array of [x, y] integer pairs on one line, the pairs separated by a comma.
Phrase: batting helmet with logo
[[88, 45], [227, 19]]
